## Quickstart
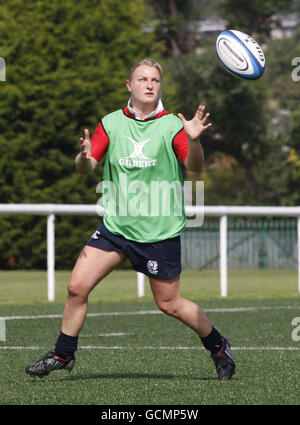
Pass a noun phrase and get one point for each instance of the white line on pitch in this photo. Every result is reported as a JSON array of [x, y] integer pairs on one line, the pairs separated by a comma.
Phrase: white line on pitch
[[149, 312], [93, 347], [111, 334], [57, 316]]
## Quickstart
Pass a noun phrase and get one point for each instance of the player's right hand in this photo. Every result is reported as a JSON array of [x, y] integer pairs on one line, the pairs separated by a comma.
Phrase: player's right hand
[[85, 145]]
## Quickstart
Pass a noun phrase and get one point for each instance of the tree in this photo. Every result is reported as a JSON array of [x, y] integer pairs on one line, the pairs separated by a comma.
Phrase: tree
[[67, 63], [253, 16], [175, 23], [238, 112], [242, 153], [284, 81]]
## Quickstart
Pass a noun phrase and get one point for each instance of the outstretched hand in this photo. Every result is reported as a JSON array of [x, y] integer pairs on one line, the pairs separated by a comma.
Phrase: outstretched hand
[[197, 125], [85, 145]]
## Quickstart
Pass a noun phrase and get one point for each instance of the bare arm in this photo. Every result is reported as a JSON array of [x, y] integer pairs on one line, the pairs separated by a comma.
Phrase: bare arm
[[195, 159], [84, 162], [194, 128]]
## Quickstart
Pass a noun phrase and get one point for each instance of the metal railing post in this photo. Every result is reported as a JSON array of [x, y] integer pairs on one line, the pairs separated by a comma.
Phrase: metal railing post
[[51, 257], [141, 284], [223, 256]]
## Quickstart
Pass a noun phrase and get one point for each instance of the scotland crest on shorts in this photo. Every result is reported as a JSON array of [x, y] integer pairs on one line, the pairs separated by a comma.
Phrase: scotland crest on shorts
[[96, 235], [152, 266]]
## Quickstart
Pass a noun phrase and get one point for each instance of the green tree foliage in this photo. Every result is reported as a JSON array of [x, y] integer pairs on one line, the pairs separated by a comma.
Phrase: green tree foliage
[[67, 63], [284, 81], [240, 121], [247, 154], [174, 23], [252, 16]]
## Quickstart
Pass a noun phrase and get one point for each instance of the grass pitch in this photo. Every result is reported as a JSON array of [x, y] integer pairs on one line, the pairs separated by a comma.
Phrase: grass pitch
[[126, 357]]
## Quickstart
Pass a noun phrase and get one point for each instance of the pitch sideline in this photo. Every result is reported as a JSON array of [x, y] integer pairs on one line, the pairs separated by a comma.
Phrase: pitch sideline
[[3, 319], [146, 312], [118, 347]]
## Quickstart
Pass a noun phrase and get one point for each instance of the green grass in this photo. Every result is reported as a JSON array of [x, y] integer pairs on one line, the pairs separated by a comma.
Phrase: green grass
[[146, 366], [30, 287]]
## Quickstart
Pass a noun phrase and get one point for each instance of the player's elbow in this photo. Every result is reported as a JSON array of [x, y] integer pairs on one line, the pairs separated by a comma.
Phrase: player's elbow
[[195, 170], [194, 167]]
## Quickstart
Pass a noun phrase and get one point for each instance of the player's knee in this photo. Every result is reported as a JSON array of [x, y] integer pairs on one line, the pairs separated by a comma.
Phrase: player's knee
[[169, 307], [76, 289]]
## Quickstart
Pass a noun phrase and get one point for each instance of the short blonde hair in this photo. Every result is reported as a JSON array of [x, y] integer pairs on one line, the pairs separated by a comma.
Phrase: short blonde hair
[[148, 62]]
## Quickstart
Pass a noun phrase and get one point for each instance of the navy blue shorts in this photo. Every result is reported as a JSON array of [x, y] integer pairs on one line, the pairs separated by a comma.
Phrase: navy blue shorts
[[160, 260]]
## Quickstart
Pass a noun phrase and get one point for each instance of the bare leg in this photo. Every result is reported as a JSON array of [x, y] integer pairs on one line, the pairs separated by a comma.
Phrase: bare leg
[[168, 299], [92, 266]]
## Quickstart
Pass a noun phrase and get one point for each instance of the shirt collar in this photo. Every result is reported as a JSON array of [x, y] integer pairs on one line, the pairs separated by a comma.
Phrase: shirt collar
[[159, 108]]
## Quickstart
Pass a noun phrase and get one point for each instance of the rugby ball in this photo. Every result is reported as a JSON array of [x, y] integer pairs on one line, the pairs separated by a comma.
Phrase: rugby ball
[[240, 54]]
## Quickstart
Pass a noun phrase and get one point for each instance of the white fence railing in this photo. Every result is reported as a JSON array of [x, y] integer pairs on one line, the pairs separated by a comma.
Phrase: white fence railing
[[50, 210]]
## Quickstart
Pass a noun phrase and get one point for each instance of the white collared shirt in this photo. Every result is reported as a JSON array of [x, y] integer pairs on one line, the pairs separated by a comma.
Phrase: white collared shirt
[[159, 108]]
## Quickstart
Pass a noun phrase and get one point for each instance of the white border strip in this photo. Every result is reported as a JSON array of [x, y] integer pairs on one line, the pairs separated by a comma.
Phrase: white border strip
[[58, 316], [116, 347], [2, 329], [148, 312]]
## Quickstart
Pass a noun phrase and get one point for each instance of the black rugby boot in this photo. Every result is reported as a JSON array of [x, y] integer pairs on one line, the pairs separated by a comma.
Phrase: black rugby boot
[[48, 363], [224, 361]]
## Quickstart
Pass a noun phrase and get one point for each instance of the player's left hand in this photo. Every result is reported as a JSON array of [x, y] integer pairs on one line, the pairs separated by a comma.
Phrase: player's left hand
[[197, 125], [85, 145]]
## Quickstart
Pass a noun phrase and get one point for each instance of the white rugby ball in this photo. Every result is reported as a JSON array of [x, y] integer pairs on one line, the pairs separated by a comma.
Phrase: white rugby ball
[[240, 54]]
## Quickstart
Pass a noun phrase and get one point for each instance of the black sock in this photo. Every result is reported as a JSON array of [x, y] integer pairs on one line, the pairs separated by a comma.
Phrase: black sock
[[66, 345], [212, 341]]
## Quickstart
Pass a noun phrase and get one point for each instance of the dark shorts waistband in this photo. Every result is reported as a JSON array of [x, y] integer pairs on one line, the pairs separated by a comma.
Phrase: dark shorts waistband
[[159, 260]]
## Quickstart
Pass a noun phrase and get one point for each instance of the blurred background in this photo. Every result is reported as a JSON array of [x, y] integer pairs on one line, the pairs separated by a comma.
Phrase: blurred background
[[66, 66]]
